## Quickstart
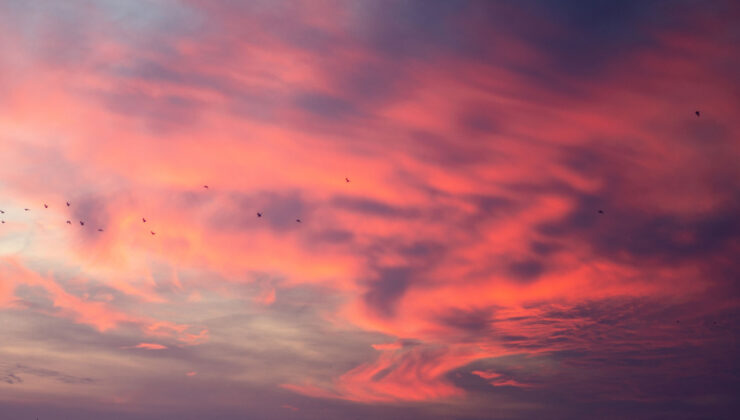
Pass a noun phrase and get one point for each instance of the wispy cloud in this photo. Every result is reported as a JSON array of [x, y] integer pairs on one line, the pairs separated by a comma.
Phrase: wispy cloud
[[536, 221]]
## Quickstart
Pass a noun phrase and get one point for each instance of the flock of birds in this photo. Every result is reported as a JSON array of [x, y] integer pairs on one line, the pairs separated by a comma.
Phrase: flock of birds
[[259, 214], [143, 219], [69, 222]]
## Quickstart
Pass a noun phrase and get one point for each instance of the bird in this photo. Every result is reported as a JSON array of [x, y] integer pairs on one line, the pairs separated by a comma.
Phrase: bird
[[601, 211], [69, 222], [143, 219], [259, 214], [346, 179], [82, 223], [27, 209], [3, 221], [698, 114], [67, 203], [152, 232], [298, 220], [2, 212], [100, 230], [46, 206], [205, 186]]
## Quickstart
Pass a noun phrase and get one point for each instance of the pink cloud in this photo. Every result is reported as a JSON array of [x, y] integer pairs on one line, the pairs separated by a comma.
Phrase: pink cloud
[[149, 346], [469, 232]]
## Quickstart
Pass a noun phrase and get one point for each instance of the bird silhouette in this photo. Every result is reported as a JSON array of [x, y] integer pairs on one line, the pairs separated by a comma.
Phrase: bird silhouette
[[100, 230], [259, 214], [298, 220], [152, 232], [143, 219], [67, 203], [82, 223], [2, 212], [205, 186], [69, 222], [27, 209], [346, 179], [601, 211], [3, 221], [46, 206], [698, 114]]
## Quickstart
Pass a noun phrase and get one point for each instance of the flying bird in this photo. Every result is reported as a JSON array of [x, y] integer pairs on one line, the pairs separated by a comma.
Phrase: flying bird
[[205, 186], [298, 220], [143, 219], [346, 179], [259, 214], [698, 114], [46, 206], [69, 222], [100, 230], [2, 212], [601, 211], [82, 223], [152, 232], [67, 203], [27, 209], [3, 221]]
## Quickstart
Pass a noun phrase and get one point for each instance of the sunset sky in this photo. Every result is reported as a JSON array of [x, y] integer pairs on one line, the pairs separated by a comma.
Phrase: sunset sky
[[535, 222]]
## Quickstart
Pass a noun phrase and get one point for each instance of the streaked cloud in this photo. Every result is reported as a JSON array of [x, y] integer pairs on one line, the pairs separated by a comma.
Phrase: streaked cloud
[[536, 223]]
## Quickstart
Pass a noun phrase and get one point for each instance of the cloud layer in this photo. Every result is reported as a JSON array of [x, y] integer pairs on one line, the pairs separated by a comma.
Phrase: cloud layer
[[534, 218]]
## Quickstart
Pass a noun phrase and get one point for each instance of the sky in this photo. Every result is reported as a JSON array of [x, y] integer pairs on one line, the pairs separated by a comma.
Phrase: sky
[[508, 209]]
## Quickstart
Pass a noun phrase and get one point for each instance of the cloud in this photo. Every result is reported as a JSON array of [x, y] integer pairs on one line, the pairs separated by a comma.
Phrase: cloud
[[390, 286], [11, 375], [465, 268], [148, 346]]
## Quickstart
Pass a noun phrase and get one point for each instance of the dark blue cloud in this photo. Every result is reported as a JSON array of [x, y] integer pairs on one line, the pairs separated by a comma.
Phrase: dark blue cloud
[[526, 270], [545, 248], [13, 371], [159, 113], [476, 321], [333, 236], [324, 105], [372, 207], [279, 211], [387, 289]]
